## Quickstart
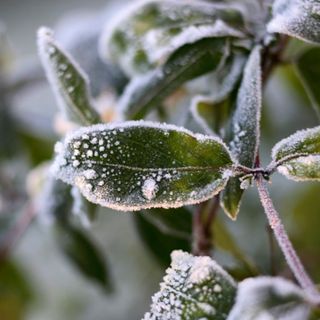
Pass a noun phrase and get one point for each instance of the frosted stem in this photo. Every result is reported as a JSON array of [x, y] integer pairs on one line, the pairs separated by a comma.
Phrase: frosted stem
[[285, 244]]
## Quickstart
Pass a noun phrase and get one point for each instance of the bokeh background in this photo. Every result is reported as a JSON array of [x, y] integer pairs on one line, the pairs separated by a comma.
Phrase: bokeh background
[[36, 281]]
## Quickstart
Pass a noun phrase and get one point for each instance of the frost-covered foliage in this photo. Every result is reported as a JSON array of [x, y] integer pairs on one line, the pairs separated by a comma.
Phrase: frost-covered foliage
[[193, 288], [298, 156], [138, 165], [297, 18], [244, 134], [269, 298], [186, 79]]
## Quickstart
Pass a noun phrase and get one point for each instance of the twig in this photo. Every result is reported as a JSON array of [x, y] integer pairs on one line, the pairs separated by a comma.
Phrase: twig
[[284, 242], [202, 227]]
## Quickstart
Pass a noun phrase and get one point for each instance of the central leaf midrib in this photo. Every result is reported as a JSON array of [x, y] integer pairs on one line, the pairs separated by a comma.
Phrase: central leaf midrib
[[180, 169]]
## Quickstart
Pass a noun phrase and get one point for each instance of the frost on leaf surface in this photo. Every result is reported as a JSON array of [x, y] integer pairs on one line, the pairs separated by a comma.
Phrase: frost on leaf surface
[[136, 165], [297, 18], [193, 288], [244, 133], [152, 30], [191, 61], [68, 81], [218, 84], [298, 156], [267, 298]]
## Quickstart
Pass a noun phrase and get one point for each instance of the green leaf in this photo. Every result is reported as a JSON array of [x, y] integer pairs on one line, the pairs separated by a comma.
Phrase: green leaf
[[269, 298], [220, 83], [211, 109], [152, 30], [163, 231], [193, 288], [68, 80], [298, 156], [138, 165], [296, 18], [244, 133], [189, 62], [84, 254], [308, 69]]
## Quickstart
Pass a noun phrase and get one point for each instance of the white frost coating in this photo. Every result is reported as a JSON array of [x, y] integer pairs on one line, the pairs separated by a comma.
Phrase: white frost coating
[[196, 115], [296, 18], [261, 305], [189, 35], [246, 119], [141, 124], [289, 144], [74, 166], [192, 287], [47, 46], [149, 189], [302, 168], [157, 43], [217, 85], [245, 128]]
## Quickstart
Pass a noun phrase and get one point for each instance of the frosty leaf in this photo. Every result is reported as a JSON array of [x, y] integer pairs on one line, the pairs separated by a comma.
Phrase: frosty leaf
[[68, 81], [190, 61], [218, 85], [193, 288], [152, 30], [84, 254], [297, 18], [298, 156], [244, 134], [269, 298], [163, 231], [309, 71], [137, 164]]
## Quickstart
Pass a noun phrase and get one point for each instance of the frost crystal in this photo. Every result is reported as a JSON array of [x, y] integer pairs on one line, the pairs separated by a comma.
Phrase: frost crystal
[[143, 165], [270, 298], [155, 29], [193, 288], [69, 82], [299, 155], [297, 18]]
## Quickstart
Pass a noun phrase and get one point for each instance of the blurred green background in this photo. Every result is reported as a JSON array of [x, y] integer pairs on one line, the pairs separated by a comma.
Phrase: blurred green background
[[37, 282]]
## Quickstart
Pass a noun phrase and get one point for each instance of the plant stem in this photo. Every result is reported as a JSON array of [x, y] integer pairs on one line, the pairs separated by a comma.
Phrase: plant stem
[[284, 242], [202, 234]]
